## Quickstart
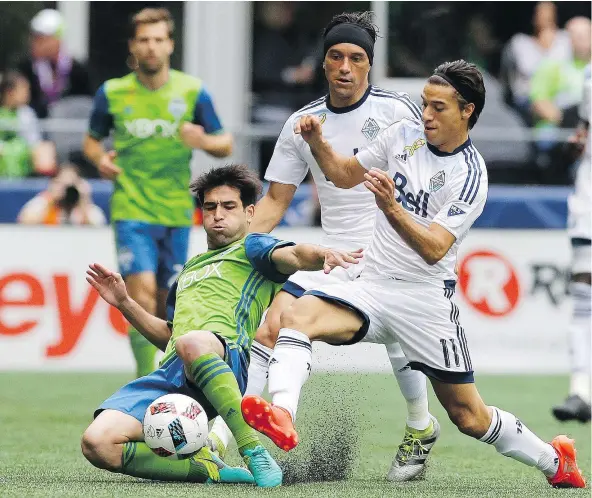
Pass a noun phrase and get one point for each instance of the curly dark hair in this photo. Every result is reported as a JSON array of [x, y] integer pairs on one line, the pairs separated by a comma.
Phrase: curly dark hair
[[469, 76], [239, 176], [364, 20]]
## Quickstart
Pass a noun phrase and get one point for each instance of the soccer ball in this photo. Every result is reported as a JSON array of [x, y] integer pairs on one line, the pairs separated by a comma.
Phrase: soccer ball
[[175, 426]]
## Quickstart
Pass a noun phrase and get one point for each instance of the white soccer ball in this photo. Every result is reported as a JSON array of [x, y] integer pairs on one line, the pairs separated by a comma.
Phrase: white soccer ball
[[175, 426]]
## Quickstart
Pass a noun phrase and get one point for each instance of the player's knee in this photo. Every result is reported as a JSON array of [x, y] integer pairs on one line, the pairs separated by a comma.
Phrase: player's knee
[[467, 420], [194, 344], [100, 449], [297, 317], [267, 335]]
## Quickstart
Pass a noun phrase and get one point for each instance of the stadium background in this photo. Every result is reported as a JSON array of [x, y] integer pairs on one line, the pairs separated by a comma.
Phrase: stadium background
[[513, 266]]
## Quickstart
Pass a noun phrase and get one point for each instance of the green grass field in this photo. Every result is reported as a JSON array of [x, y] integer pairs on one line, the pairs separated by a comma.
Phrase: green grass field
[[349, 427]]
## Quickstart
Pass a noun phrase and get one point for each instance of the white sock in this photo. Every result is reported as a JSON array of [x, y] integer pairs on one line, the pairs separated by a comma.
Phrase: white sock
[[289, 368], [513, 439], [221, 430], [258, 368], [580, 332], [412, 384]]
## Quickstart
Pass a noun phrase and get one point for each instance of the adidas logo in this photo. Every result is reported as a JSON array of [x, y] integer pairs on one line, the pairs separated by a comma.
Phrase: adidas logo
[[455, 211], [159, 432], [232, 411], [273, 361], [518, 427]]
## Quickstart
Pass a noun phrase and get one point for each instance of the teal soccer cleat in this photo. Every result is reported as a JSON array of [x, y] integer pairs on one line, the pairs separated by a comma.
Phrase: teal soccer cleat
[[265, 470]]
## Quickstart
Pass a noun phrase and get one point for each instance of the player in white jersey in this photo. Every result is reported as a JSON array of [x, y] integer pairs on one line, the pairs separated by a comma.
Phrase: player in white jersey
[[430, 184], [353, 114], [577, 404]]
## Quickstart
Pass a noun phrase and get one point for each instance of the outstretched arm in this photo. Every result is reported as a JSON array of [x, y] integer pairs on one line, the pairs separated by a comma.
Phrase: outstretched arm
[[309, 257], [111, 288]]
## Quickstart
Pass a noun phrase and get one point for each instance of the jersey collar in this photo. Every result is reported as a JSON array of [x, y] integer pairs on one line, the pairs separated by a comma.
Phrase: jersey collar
[[343, 110], [440, 153]]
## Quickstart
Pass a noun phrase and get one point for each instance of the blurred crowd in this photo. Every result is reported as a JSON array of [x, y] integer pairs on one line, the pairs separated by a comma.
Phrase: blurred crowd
[[538, 69]]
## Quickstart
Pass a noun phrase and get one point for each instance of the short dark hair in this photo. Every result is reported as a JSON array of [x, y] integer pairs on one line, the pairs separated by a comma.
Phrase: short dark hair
[[364, 20], [9, 81], [151, 15], [469, 76], [239, 176]]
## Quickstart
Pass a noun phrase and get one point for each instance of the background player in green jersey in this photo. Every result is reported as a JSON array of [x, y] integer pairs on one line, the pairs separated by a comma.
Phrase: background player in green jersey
[[157, 116], [213, 309]]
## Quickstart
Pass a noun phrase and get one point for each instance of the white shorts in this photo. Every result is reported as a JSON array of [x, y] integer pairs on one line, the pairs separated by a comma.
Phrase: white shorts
[[423, 318], [302, 281]]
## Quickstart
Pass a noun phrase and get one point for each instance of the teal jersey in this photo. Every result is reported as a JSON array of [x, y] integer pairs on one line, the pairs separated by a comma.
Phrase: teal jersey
[[226, 291], [154, 183]]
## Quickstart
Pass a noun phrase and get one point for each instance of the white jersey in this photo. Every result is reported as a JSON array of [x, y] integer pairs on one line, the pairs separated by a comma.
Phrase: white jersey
[[449, 189], [579, 203], [347, 216]]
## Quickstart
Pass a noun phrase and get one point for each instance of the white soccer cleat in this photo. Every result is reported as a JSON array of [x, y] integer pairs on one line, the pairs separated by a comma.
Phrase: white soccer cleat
[[410, 460]]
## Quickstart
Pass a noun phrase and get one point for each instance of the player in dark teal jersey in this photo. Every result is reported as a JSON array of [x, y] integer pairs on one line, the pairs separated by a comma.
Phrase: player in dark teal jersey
[[157, 116], [214, 310]]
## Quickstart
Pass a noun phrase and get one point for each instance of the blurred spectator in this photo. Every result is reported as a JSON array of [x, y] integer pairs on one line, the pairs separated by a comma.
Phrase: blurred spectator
[[22, 150], [523, 54], [284, 63], [284, 67], [51, 72], [556, 92], [67, 201], [556, 86], [481, 46]]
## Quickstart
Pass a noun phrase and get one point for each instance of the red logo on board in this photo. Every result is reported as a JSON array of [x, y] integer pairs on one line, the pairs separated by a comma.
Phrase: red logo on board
[[489, 283]]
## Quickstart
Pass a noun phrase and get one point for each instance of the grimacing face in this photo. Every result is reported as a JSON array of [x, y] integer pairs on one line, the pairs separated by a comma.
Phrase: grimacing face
[[225, 219], [151, 47], [346, 69], [444, 121]]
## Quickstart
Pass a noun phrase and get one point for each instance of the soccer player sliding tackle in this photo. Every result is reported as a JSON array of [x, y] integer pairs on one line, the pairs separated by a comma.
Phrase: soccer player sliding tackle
[[352, 115], [213, 309], [430, 184]]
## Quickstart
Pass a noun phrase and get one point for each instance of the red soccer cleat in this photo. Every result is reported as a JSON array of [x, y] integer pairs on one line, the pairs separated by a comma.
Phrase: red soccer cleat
[[273, 421], [568, 474]]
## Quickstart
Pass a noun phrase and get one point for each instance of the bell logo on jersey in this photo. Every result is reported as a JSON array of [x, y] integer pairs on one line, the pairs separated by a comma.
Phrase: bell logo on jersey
[[146, 128], [415, 203], [370, 129], [455, 211]]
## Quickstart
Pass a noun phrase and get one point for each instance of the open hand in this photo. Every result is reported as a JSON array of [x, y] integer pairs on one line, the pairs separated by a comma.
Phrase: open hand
[[334, 258], [110, 285]]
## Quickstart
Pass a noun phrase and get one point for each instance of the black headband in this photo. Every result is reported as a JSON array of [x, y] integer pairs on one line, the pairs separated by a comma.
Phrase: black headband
[[465, 91], [350, 33]]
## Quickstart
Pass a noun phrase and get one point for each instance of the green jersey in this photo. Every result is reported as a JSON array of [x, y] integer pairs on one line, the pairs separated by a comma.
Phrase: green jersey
[[154, 183], [226, 291], [560, 82]]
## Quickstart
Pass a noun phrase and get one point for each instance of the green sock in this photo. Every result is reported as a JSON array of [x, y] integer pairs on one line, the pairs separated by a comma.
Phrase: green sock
[[215, 379], [144, 352], [139, 461]]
